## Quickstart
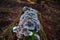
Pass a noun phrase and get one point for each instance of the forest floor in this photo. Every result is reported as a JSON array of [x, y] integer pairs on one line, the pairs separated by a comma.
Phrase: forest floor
[[50, 16]]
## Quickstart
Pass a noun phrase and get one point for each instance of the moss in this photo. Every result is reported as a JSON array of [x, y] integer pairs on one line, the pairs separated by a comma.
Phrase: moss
[[32, 37]]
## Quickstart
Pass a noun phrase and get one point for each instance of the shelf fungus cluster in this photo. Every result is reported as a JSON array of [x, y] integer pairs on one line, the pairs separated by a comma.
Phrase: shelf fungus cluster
[[29, 24]]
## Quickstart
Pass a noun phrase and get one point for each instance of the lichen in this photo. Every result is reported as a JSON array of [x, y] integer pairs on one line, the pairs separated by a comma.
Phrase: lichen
[[28, 26]]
